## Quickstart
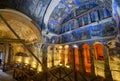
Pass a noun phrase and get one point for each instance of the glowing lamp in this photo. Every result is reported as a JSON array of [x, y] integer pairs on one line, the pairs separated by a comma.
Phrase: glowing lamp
[[34, 64], [67, 66], [61, 64], [18, 57], [39, 69], [26, 59], [75, 46]]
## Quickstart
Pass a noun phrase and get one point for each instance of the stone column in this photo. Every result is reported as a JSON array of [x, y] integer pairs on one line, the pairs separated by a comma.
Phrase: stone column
[[82, 55], [107, 71], [44, 58], [71, 57], [74, 65], [53, 56], [7, 53], [81, 59], [92, 61], [10, 54], [4, 57]]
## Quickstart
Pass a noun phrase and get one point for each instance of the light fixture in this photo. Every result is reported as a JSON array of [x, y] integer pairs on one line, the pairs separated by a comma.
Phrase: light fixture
[[18, 57], [60, 64], [75, 46], [67, 66]]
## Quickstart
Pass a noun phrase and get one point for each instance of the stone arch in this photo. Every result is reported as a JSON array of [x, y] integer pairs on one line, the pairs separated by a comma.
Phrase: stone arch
[[86, 56], [98, 50]]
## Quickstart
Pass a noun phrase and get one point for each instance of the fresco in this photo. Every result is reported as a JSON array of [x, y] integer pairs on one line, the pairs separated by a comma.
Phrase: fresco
[[80, 22], [95, 31], [68, 17], [85, 34], [94, 16], [84, 8], [109, 29], [34, 8], [116, 15], [76, 35]]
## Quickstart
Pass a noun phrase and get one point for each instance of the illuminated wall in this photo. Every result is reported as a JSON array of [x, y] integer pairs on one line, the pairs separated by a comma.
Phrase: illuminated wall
[[94, 25], [76, 59], [67, 56], [86, 55], [62, 55], [99, 59], [49, 56], [56, 56]]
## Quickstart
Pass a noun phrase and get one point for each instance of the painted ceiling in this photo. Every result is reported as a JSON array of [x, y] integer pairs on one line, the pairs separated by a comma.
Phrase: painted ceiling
[[52, 13], [20, 23]]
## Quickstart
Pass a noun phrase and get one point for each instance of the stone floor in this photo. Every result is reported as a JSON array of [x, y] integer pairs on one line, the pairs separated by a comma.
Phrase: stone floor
[[5, 77]]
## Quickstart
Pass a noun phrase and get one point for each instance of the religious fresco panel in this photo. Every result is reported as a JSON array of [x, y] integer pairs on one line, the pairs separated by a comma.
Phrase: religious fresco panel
[[34, 8], [109, 29], [95, 31], [85, 34], [85, 18], [76, 35], [116, 15], [80, 22], [94, 16]]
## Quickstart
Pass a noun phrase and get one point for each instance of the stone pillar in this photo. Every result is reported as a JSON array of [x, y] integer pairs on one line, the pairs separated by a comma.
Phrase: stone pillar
[[74, 65], [52, 56], [7, 53], [107, 71], [92, 61], [44, 58], [71, 57], [10, 54], [82, 55], [81, 60], [4, 57]]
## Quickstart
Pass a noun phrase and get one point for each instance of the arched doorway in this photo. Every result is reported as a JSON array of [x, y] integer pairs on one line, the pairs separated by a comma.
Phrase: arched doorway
[[98, 49], [86, 55]]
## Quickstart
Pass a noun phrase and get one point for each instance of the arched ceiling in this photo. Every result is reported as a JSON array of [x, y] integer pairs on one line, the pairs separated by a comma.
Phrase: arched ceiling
[[63, 9], [67, 7], [20, 23], [53, 13]]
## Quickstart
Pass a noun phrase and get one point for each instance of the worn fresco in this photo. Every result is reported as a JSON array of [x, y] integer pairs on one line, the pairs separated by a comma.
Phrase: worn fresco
[[95, 31], [116, 15], [109, 29], [34, 8]]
